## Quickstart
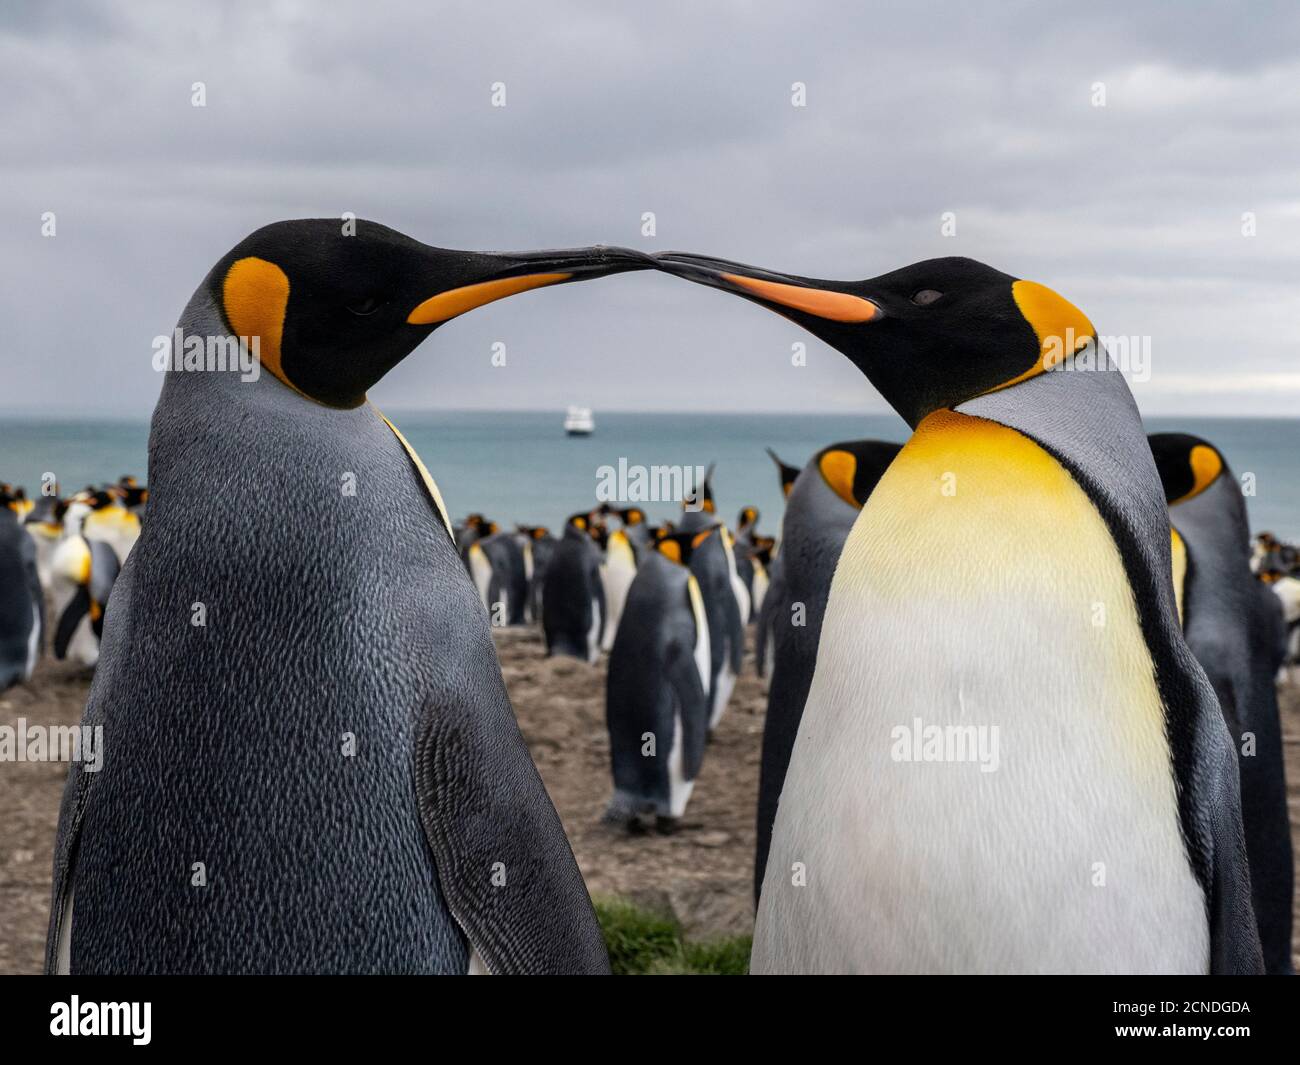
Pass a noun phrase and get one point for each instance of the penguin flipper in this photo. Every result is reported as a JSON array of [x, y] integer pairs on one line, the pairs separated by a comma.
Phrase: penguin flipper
[[504, 863], [684, 676], [78, 607]]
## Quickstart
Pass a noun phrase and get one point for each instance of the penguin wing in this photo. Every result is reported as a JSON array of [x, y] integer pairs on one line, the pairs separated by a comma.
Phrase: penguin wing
[[684, 676], [503, 860]]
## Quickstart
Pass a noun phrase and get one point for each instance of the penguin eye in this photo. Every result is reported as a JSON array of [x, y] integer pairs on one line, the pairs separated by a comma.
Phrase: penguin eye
[[367, 306], [926, 297]]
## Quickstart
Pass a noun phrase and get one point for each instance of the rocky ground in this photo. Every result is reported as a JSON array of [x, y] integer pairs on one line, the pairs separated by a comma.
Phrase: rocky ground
[[702, 873]]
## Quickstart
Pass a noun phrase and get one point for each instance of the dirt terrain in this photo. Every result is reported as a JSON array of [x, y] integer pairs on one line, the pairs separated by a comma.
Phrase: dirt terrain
[[702, 872]]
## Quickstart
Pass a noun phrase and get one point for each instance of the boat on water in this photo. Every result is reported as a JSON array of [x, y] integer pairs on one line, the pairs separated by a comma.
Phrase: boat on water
[[579, 422]]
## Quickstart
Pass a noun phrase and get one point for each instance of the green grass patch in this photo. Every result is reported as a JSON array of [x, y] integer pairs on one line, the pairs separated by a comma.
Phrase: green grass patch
[[642, 942]]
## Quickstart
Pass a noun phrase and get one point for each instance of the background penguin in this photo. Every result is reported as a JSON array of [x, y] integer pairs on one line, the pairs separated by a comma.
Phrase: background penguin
[[134, 496], [658, 685], [497, 564], [343, 764], [943, 611], [538, 545], [788, 474], [746, 531], [573, 598], [617, 572], [1287, 590], [82, 574], [22, 603], [635, 528], [44, 524], [1232, 622], [110, 522], [821, 507], [712, 564]]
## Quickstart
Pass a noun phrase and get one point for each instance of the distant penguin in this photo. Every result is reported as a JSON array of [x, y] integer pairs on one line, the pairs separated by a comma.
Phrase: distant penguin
[[617, 571], [635, 527], [500, 570], [573, 597], [315, 766], [788, 474], [44, 524], [110, 522], [712, 563], [22, 602], [1009, 577], [82, 574], [1287, 592], [746, 530], [823, 503], [538, 545], [1231, 622], [134, 496], [656, 701]]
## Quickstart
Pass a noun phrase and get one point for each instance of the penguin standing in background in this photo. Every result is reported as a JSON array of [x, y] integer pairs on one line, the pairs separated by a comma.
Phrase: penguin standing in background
[[134, 496], [22, 603], [497, 564], [537, 545], [617, 572], [1040, 657], [44, 524], [635, 528], [1231, 622], [746, 530], [109, 522], [315, 766], [82, 572], [822, 505], [711, 562], [788, 474], [657, 687], [573, 596]]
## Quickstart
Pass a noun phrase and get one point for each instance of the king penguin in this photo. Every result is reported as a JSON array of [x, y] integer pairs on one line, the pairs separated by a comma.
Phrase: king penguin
[[656, 693], [1006, 588], [1232, 623], [22, 602], [573, 596], [823, 503], [315, 764]]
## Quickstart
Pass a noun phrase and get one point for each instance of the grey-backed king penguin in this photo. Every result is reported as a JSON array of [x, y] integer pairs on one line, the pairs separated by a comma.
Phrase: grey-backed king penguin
[[573, 595], [1231, 622], [313, 762], [22, 602], [1009, 760], [656, 693], [822, 505]]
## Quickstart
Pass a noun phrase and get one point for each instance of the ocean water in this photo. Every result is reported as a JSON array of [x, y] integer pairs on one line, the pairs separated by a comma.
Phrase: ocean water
[[521, 467]]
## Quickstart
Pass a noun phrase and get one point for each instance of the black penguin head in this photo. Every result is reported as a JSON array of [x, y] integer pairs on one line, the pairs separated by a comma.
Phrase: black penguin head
[[678, 547], [700, 497], [335, 312], [929, 336], [787, 473], [533, 532], [631, 516], [747, 519], [1187, 464], [852, 468]]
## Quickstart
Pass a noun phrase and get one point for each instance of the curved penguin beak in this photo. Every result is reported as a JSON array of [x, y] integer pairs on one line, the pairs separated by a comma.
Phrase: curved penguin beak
[[797, 298], [496, 275]]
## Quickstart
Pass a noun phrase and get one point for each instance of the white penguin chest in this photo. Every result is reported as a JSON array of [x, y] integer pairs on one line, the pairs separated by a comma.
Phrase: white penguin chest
[[981, 780]]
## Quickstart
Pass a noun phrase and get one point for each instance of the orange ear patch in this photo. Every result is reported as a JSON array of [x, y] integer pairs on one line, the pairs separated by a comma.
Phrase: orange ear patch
[[670, 549], [1060, 326], [1206, 466], [834, 306], [838, 469], [255, 295]]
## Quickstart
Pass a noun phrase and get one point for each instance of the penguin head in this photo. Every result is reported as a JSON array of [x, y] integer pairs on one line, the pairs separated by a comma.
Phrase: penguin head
[[11, 497], [852, 468], [700, 497], [787, 473], [679, 547], [929, 336], [533, 532], [631, 516], [747, 519], [1187, 465], [336, 307]]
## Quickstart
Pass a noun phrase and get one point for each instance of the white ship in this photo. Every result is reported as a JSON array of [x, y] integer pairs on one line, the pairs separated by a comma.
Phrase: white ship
[[579, 422]]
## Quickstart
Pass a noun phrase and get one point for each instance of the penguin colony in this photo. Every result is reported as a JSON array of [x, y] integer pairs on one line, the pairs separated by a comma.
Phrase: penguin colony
[[1122, 635]]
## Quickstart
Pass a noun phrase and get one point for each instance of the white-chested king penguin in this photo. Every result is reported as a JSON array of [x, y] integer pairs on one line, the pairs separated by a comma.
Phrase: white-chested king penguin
[[1009, 760], [1233, 624], [656, 693], [311, 761]]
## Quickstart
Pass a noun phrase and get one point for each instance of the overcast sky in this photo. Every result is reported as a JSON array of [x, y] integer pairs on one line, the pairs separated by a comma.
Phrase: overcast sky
[[1134, 210]]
